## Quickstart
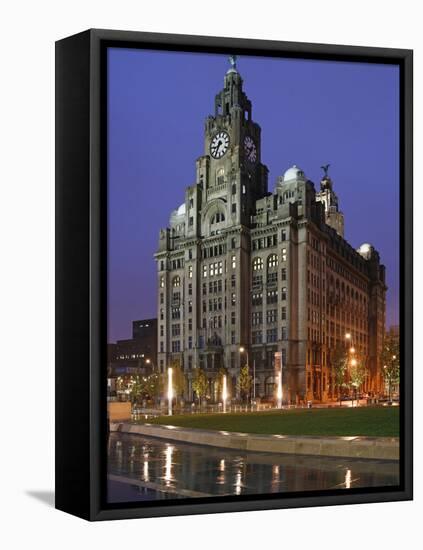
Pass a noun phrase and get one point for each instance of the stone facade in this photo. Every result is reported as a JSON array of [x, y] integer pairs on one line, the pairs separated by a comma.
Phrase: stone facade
[[267, 271]]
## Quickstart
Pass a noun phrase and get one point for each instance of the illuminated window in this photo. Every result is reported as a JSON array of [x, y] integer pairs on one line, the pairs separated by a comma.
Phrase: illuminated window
[[176, 281], [272, 261], [257, 264], [190, 272], [162, 282], [233, 262]]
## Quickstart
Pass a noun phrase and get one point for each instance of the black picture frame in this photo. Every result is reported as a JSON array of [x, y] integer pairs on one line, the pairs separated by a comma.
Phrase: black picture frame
[[81, 239]]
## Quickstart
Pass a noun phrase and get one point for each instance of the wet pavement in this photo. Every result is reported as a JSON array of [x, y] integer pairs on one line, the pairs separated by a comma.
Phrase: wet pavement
[[144, 468]]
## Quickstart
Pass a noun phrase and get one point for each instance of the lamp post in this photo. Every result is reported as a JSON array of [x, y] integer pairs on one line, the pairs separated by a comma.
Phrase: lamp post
[[169, 390], [149, 362]]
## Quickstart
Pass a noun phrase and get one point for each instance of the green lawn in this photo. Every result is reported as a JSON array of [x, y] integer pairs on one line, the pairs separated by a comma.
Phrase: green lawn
[[370, 421]]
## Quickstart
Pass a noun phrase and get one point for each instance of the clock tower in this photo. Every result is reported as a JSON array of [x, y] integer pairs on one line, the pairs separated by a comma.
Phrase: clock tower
[[231, 172]]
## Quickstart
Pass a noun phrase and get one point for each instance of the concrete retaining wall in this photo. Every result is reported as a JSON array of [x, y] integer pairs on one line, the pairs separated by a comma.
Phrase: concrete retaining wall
[[386, 448]]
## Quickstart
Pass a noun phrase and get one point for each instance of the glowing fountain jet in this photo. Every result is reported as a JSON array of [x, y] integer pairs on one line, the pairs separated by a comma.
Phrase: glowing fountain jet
[[169, 390], [279, 391], [224, 393]]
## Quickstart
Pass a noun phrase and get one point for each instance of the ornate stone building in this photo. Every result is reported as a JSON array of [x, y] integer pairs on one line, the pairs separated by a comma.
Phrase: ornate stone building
[[267, 271]]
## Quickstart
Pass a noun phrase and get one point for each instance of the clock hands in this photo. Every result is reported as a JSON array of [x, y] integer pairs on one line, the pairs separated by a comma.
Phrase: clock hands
[[219, 144]]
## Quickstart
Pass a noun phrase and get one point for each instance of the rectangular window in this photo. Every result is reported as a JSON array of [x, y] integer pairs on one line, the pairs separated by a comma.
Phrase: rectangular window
[[233, 262], [233, 207], [190, 324], [232, 337], [283, 235], [204, 271], [257, 280], [284, 274], [284, 254], [176, 346], [272, 277], [233, 281], [176, 330], [233, 318], [284, 292], [284, 333], [161, 347], [257, 318], [272, 296], [161, 330], [257, 299], [190, 272], [283, 316], [271, 335], [191, 221], [176, 313], [271, 316], [257, 337], [190, 342]]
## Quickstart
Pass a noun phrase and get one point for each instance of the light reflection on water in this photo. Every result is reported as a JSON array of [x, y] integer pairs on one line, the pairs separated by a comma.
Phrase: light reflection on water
[[181, 467]]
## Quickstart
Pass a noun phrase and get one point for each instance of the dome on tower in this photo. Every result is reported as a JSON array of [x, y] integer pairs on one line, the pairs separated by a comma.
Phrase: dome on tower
[[293, 173], [365, 250], [181, 210]]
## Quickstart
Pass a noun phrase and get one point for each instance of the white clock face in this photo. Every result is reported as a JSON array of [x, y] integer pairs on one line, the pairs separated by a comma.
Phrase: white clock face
[[250, 149], [219, 145]]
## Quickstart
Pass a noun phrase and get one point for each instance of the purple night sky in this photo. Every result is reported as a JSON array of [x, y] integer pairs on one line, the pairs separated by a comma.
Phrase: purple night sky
[[311, 113]]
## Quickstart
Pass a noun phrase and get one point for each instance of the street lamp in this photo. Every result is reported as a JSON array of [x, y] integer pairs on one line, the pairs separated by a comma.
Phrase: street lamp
[[148, 361], [243, 350]]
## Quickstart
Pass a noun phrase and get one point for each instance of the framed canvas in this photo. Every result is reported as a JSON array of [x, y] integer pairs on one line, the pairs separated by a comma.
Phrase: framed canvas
[[234, 274]]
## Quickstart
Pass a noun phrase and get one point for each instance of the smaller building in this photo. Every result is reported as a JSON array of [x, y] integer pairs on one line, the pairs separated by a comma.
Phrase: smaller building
[[136, 356]]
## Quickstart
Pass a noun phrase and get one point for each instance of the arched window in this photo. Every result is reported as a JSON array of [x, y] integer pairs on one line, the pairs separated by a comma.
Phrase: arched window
[[220, 176], [217, 218], [257, 264], [272, 261], [176, 281]]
